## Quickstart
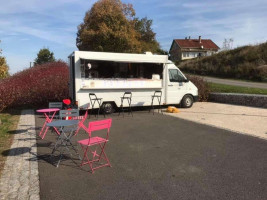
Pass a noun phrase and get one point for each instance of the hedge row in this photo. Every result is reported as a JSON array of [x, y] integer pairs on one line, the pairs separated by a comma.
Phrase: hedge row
[[35, 86], [202, 85]]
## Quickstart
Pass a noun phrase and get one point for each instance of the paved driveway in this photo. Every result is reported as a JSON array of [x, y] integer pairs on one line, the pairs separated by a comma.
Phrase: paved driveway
[[242, 119], [161, 157]]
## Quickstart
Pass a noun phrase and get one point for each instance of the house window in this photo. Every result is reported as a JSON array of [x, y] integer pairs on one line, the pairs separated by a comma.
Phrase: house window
[[184, 54]]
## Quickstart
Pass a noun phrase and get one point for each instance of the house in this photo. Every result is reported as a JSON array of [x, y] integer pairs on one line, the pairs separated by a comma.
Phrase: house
[[184, 49]]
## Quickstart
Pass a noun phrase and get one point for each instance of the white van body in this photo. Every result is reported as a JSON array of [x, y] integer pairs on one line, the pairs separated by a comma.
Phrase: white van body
[[130, 72]]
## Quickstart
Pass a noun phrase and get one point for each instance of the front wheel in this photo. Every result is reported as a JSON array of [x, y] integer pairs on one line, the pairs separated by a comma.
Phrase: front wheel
[[187, 101], [108, 108]]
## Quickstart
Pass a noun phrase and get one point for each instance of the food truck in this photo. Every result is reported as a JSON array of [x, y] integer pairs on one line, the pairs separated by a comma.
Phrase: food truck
[[109, 75]]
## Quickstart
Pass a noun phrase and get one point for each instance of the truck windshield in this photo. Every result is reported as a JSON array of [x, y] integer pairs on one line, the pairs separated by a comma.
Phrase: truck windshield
[[176, 76]]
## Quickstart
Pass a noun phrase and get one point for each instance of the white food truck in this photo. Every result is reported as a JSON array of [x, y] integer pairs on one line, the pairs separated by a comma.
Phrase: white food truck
[[109, 75]]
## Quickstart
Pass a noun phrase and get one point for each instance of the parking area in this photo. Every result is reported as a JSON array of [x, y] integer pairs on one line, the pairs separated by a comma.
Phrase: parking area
[[160, 157], [241, 119]]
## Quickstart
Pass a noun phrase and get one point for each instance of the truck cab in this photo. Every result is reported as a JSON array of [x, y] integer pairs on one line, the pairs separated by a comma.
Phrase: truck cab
[[178, 87]]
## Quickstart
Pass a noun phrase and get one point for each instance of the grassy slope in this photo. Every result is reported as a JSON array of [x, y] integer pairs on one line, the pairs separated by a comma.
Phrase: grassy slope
[[248, 63], [9, 125]]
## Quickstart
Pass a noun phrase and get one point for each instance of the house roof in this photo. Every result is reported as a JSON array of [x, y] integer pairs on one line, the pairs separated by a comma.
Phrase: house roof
[[194, 43]]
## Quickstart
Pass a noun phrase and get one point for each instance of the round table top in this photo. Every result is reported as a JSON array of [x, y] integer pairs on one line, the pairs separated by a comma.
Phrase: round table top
[[48, 110], [62, 123]]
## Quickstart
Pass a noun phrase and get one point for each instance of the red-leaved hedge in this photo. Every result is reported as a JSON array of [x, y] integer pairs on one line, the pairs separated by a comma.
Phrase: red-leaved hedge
[[202, 86], [35, 86]]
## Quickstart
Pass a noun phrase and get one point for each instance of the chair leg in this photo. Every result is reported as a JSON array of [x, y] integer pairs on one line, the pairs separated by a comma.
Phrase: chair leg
[[130, 107], [103, 152], [85, 150], [101, 155], [93, 104], [153, 106], [99, 107], [159, 101], [121, 109]]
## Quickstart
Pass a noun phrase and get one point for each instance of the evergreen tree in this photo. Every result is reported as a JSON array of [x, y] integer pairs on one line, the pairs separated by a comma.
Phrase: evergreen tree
[[44, 56]]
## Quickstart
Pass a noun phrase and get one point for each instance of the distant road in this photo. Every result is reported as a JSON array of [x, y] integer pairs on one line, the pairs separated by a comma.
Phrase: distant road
[[235, 82]]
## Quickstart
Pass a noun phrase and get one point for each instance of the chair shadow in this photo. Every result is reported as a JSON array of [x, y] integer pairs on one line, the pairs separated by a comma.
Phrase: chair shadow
[[20, 131], [16, 151], [53, 160], [26, 139]]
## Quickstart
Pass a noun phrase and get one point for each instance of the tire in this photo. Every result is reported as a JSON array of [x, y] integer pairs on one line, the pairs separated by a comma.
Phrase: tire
[[187, 101], [108, 108]]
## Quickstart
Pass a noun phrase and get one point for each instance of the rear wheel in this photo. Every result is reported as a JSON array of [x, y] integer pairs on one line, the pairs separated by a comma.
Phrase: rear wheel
[[108, 108], [187, 101]]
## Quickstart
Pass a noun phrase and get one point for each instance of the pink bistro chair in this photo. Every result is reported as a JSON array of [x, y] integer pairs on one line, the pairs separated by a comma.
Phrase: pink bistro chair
[[81, 123], [87, 144], [82, 118]]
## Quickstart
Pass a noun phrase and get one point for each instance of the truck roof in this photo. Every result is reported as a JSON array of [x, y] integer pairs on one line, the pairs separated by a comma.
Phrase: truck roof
[[121, 57]]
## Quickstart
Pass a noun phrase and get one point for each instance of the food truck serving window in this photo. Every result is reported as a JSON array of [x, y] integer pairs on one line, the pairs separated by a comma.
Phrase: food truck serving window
[[92, 69]]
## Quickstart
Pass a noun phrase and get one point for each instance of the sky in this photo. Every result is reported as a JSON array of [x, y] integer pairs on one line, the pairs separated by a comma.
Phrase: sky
[[26, 26]]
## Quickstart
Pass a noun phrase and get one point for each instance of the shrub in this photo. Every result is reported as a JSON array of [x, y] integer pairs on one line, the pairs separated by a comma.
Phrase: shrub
[[35, 86], [202, 85]]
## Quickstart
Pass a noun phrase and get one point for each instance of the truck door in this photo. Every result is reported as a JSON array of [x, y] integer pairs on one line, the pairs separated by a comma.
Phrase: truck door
[[176, 87]]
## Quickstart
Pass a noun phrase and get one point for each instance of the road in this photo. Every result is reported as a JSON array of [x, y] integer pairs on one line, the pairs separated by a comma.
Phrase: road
[[236, 82], [159, 157]]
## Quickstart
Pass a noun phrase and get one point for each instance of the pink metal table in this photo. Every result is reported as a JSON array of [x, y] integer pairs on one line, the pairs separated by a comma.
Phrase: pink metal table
[[48, 119]]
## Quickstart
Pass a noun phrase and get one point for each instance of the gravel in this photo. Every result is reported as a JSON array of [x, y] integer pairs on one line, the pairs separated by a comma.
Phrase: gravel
[[240, 119]]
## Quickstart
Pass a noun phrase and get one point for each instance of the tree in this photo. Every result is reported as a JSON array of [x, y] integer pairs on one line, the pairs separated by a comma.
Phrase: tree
[[147, 36], [111, 26], [44, 56], [3, 66]]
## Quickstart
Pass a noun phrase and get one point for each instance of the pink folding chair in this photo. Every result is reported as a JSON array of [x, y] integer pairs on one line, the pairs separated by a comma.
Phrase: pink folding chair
[[81, 123], [82, 118], [87, 144]]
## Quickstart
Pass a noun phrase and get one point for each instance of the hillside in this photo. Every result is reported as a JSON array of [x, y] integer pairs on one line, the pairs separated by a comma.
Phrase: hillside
[[248, 63]]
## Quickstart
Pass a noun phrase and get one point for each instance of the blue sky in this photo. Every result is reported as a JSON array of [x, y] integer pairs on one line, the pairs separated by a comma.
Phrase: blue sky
[[26, 26]]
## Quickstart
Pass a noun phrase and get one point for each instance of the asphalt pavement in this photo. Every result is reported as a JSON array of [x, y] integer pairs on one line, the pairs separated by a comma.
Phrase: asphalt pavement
[[160, 157]]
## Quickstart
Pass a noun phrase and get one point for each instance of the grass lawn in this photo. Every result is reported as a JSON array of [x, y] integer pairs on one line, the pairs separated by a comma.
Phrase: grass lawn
[[215, 87], [9, 121]]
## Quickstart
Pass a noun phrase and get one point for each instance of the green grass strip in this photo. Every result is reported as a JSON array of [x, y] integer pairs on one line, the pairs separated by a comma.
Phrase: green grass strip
[[9, 121], [215, 87]]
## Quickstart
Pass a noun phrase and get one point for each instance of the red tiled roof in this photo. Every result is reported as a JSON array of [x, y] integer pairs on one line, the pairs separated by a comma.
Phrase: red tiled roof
[[194, 43]]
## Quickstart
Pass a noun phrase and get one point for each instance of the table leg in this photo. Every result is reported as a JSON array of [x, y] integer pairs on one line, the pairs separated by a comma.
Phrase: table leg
[[47, 120], [40, 134]]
